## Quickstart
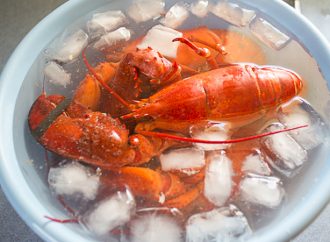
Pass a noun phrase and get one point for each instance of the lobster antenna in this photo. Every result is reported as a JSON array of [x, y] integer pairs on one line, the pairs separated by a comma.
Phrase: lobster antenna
[[230, 141], [62, 221], [106, 86]]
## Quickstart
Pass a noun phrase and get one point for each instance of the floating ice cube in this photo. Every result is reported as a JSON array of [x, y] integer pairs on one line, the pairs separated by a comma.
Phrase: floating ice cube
[[119, 35], [70, 47], [74, 179], [101, 23], [175, 16], [297, 113], [160, 39], [268, 34], [218, 178], [216, 131], [262, 190], [200, 8], [285, 154], [184, 158], [255, 163], [151, 228], [233, 13], [221, 224], [55, 74], [110, 213], [144, 10], [161, 210]]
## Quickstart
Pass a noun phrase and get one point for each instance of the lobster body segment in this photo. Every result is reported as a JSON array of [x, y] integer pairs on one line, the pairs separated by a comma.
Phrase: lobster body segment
[[232, 91]]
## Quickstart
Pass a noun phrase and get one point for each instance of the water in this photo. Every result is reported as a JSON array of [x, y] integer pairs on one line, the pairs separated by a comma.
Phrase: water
[[249, 40]]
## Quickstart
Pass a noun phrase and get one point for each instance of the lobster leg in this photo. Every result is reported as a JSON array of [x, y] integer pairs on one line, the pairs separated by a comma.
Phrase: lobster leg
[[146, 183], [88, 93]]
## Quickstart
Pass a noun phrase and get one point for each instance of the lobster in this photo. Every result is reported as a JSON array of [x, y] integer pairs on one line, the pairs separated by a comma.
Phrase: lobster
[[91, 128]]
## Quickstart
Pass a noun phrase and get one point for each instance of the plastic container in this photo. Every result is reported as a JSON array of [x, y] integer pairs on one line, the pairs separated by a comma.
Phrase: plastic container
[[28, 193]]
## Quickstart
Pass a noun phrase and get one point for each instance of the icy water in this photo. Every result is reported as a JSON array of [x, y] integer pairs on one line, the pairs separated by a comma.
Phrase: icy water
[[243, 187]]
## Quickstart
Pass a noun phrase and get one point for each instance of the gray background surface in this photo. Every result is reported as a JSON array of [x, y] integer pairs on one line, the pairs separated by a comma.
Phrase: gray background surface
[[16, 20]]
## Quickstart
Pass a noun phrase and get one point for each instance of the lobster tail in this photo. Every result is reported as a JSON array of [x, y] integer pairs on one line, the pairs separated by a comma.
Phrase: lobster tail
[[277, 84]]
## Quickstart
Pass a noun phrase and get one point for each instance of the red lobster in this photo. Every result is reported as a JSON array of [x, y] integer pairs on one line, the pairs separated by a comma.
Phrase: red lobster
[[78, 130]]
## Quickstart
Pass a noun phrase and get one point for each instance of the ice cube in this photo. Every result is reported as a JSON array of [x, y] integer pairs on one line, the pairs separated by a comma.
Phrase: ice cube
[[233, 13], [160, 39], [119, 35], [151, 228], [101, 23], [255, 163], [200, 8], [55, 74], [183, 158], [297, 113], [144, 10], [261, 190], [175, 16], [268, 34], [285, 154], [74, 179], [218, 178], [220, 224], [110, 213], [215, 131], [70, 47]]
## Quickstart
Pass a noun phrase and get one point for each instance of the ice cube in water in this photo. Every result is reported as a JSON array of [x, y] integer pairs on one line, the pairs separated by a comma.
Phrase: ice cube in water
[[74, 179], [102, 23], [212, 132], [255, 163], [110, 213], [233, 13], [268, 34], [299, 112], [160, 39], [56, 74], [70, 47], [119, 35], [175, 16], [261, 190], [285, 154], [184, 158], [153, 227], [144, 10], [200, 8], [220, 224], [218, 178]]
